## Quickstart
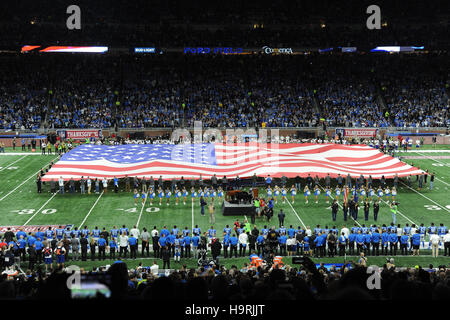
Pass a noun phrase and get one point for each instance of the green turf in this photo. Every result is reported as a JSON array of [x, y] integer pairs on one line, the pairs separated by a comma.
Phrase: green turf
[[18, 193]]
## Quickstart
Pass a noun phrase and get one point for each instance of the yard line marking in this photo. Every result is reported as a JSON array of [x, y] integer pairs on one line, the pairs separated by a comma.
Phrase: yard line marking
[[39, 210], [34, 174], [295, 212], [192, 215], [331, 196], [92, 208], [12, 163], [140, 215], [437, 162], [427, 198]]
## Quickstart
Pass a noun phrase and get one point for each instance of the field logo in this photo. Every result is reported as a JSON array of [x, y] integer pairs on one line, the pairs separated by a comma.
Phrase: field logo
[[74, 280], [374, 280]]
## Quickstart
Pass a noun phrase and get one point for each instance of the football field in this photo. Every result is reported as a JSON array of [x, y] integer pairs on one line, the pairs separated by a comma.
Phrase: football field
[[21, 205]]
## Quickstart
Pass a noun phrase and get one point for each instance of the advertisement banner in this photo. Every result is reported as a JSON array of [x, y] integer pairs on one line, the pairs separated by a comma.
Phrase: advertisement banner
[[34, 228], [270, 50], [359, 133], [72, 49], [80, 134]]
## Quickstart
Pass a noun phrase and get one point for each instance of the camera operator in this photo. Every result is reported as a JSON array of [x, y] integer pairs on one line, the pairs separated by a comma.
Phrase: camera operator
[[394, 208], [8, 257], [203, 242]]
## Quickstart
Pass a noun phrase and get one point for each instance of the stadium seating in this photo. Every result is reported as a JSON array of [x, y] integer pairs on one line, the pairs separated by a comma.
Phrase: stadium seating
[[175, 90]]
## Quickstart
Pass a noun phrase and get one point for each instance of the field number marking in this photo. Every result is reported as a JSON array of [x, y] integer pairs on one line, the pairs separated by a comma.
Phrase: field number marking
[[134, 210], [31, 211]]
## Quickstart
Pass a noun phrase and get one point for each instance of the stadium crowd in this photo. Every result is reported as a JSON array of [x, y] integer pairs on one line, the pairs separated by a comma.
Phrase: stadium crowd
[[258, 91], [221, 284]]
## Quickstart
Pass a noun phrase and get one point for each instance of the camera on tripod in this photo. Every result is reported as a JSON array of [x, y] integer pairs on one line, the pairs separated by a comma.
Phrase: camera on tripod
[[203, 261], [270, 245]]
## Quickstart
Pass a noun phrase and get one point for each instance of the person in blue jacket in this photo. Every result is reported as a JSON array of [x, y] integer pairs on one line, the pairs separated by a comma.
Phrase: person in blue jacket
[[306, 245], [187, 245], [132, 241], [164, 231], [41, 234], [404, 240], [162, 242], [195, 241], [415, 242], [291, 231], [233, 245], [360, 242], [38, 245], [21, 233], [30, 239], [170, 242], [101, 248], [268, 180], [393, 240], [320, 244], [376, 242], [22, 244], [351, 242], [112, 248], [226, 243]]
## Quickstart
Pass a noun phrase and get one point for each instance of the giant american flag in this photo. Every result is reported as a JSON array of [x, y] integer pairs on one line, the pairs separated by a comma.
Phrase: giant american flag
[[231, 160]]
